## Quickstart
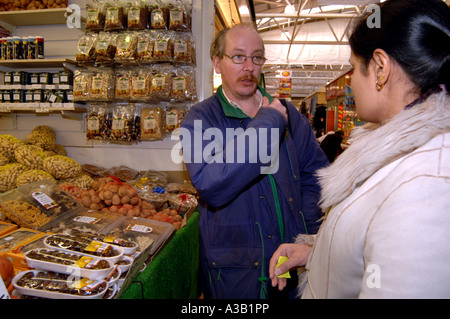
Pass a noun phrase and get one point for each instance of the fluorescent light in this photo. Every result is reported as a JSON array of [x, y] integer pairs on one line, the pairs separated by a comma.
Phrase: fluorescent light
[[289, 9], [243, 10]]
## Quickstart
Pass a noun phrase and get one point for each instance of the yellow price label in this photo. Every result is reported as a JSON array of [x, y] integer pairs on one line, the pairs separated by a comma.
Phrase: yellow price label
[[282, 260]]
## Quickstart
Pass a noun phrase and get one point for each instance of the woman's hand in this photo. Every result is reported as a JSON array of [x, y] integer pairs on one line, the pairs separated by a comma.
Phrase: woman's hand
[[297, 255]]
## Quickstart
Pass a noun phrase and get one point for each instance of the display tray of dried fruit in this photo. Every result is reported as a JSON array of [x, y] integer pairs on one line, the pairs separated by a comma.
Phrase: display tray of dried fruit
[[69, 263], [53, 285]]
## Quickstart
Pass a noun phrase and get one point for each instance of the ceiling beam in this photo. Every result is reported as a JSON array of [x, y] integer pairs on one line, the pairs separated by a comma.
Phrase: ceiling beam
[[305, 42], [306, 15]]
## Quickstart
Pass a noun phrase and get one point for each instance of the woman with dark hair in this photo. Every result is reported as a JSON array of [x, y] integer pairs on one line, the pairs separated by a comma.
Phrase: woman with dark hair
[[387, 197]]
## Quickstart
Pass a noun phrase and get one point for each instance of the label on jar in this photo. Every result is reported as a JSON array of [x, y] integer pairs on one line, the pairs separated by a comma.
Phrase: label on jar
[[44, 200]]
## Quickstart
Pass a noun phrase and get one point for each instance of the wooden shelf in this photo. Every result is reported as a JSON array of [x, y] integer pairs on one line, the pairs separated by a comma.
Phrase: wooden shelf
[[34, 17], [41, 107], [35, 63]]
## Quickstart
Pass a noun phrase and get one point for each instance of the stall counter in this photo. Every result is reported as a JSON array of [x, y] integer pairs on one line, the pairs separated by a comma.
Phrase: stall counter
[[173, 273]]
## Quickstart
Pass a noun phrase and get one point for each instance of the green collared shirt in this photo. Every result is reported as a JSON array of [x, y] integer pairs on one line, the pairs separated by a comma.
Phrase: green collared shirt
[[232, 109]]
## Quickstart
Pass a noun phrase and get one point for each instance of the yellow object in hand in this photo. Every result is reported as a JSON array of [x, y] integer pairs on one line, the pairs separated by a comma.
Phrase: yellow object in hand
[[281, 260]]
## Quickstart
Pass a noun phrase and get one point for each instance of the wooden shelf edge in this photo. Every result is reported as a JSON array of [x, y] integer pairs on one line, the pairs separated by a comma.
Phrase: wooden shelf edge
[[35, 63], [34, 17]]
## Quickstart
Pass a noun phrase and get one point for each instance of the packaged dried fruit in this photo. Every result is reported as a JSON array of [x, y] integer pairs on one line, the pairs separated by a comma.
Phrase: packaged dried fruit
[[183, 86], [123, 78], [174, 116], [82, 80], [159, 14], [53, 285], [95, 16], [84, 246], [105, 48], [102, 85], [152, 125], [123, 126], [180, 16], [163, 48], [184, 48], [140, 84], [161, 82], [86, 48], [98, 122], [137, 15], [115, 19], [126, 45], [145, 47]]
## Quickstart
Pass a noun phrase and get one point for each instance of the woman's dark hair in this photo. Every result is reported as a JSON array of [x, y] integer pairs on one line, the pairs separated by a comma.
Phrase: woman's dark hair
[[415, 33]]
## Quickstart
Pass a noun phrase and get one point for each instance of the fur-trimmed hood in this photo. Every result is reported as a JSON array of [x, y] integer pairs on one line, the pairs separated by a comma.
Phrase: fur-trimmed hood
[[373, 146]]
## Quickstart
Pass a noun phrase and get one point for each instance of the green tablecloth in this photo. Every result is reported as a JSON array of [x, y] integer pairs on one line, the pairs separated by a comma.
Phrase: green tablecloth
[[173, 273]]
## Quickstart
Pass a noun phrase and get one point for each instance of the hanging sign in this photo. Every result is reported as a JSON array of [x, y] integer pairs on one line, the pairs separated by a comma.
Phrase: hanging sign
[[285, 86]]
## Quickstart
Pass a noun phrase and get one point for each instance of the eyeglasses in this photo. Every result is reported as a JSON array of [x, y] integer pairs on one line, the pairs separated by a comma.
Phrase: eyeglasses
[[240, 59]]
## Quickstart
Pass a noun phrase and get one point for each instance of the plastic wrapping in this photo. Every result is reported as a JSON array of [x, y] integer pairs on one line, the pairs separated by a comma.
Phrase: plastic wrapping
[[123, 78], [37, 204], [115, 15], [161, 82], [95, 16], [145, 47], [159, 14], [98, 122], [86, 48], [52, 285], [84, 220], [163, 48], [105, 48], [140, 84], [183, 86], [152, 124], [137, 15], [174, 116], [102, 85], [126, 45], [148, 234], [184, 48], [180, 16], [82, 80]]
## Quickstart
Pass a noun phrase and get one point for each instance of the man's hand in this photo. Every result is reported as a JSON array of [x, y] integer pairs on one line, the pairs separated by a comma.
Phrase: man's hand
[[297, 254], [276, 104]]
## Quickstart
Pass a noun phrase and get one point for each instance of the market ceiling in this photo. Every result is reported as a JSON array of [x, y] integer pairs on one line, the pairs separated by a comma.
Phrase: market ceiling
[[307, 37]]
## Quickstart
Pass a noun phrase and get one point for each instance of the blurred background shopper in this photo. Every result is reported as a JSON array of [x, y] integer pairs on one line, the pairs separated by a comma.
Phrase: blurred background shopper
[[247, 211], [386, 198], [331, 145]]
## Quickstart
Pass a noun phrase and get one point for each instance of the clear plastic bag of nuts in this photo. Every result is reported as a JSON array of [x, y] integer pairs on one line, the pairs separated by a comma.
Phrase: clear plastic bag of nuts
[[102, 85]]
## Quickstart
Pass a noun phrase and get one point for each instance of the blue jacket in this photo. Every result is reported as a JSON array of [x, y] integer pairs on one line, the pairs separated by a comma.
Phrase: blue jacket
[[243, 212]]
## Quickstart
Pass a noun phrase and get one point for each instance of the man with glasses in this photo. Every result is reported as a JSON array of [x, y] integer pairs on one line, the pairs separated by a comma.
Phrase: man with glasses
[[248, 209]]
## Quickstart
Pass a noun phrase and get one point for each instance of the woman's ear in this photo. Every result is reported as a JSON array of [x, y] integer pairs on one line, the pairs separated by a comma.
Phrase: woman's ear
[[382, 66]]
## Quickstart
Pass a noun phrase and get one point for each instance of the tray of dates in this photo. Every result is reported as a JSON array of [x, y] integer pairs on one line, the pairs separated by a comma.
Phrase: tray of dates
[[69, 263], [84, 246], [48, 284], [129, 247]]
